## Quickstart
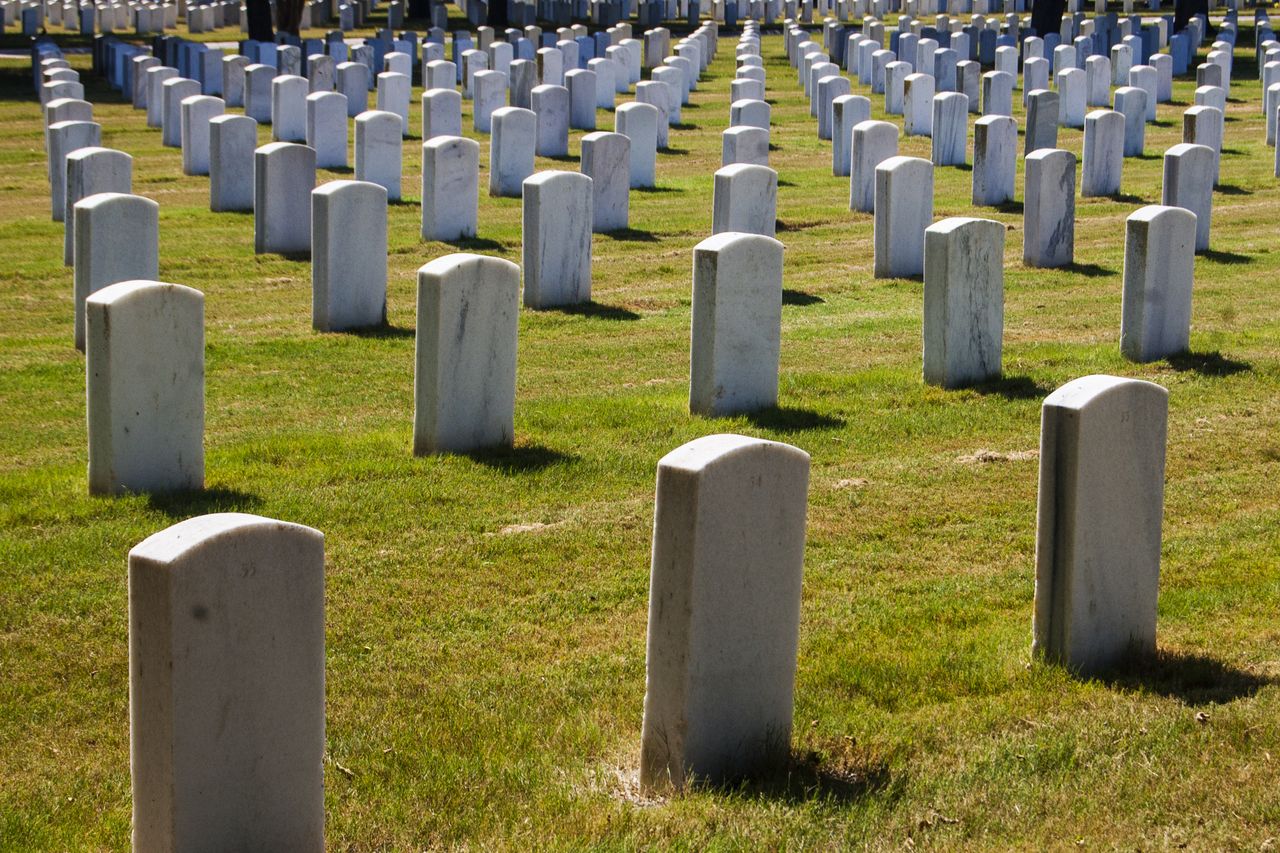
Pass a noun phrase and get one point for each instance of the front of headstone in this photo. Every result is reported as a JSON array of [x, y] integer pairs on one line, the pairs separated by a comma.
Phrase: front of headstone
[[1188, 183], [348, 256], [606, 159], [226, 686], [745, 200], [1103, 158], [1049, 208], [379, 150], [639, 123], [465, 354], [1098, 520], [144, 368], [872, 143], [91, 171], [556, 219], [724, 610], [995, 155], [963, 301], [1159, 265], [232, 140], [511, 150], [903, 210], [284, 173], [450, 188]]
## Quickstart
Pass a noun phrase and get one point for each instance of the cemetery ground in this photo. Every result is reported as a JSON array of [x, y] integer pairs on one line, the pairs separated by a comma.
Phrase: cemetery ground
[[486, 613]]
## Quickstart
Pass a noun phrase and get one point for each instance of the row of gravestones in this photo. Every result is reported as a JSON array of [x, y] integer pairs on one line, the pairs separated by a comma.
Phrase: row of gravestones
[[227, 614]]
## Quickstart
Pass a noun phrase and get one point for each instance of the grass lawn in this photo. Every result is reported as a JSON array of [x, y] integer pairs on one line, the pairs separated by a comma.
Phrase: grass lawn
[[486, 613]]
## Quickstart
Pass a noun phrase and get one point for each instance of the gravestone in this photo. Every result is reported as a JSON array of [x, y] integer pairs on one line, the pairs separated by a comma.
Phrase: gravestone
[[232, 141], [511, 150], [963, 301], [737, 322], [441, 113], [91, 171], [155, 77], [490, 93], [724, 610], [581, 85], [117, 239], [1188, 183], [1042, 121], [1098, 518], [551, 106], [464, 386], [995, 156], [1159, 262], [1203, 126], [327, 128], [394, 91], [289, 108], [258, 92], [284, 173], [872, 143], [745, 199], [353, 81], [903, 210], [918, 105], [1131, 102], [744, 145], [1071, 97], [172, 93], [639, 123], [1049, 209], [233, 79], [846, 112], [606, 159], [144, 368], [450, 188], [226, 686], [1103, 157], [197, 111], [997, 93], [557, 219], [1097, 70], [950, 129], [348, 256]]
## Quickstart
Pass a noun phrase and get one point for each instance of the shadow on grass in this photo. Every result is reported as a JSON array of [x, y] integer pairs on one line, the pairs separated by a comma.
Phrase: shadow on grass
[[783, 183], [1208, 363], [812, 775], [684, 125], [405, 202], [963, 167], [292, 256], [792, 419], [1220, 257], [562, 158], [1009, 207], [520, 460], [656, 190], [799, 297], [476, 243], [340, 170], [674, 152], [632, 235], [1088, 270], [1012, 388], [203, 501], [597, 311], [1231, 189], [1193, 679], [1127, 198], [780, 226], [383, 331]]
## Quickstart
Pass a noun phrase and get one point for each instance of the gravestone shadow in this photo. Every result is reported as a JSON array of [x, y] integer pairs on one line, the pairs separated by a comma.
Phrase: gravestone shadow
[[675, 152], [194, 502], [597, 311], [656, 190], [1193, 679], [1088, 270], [799, 297], [1221, 257], [1013, 388], [1208, 363], [383, 331], [793, 419], [632, 235], [1231, 189], [520, 460], [342, 170], [809, 775], [1010, 207], [483, 244]]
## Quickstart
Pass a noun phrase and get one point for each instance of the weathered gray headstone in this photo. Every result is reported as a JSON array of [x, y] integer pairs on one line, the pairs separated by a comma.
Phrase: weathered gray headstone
[[1103, 159], [963, 301], [117, 238], [348, 255], [950, 129], [903, 210], [284, 173], [557, 218], [1042, 121], [450, 188], [606, 159], [1049, 209], [232, 141], [1159, 264], [995, 155]]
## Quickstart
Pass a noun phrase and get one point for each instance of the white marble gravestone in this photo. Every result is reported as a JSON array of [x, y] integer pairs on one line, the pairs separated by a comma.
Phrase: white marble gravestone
[[117, 238], [450, 188], [348, 256], [745, 199], [1188, 183], [724, 610], [963, 301], [327, 128], [995, 159], [1103, 158], [1159, 266], [639, 123], [464, 387], [872, 143], [1049, 208], [144, 369], [903, 210], [606, 159], [551, 106], [1098, 519], [557, 218], [91, 171], [65, 137], [379, 152], [226, 686], [232, 141], [511, 150], [284, 173], [196, 113]]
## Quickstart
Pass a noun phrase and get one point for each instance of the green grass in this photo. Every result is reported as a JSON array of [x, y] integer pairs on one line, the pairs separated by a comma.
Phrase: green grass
[[486, 614]]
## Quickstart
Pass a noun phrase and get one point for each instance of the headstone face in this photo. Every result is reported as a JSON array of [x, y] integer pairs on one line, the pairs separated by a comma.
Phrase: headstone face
[[895, 84], [289, 108], [750, 114], [144, 363], [918, 105], [995, 155], [511, 150], [1159, 261], [606, 159], [1203, 126], [1188, 183], [745, 200], [551, 106], [348, 256], [91, 171], [950, 129], [1049, 209], [441, 113], [465, 363], [605, 87], [639, 123], [1144, 77], [524, 76], [847, 111], [117, 239], [393, 97], [353, 81], [321, 73], [744, 145], [441, 74], [284, 173], [197, 111], [829, 88], [1042, 121], [903, 210], [963, 301], [232, 141], [997, 93], [1071, 97], [1098, 81], [1098, 518], [871, 144], [327, 128], [155, 77], [1131, 102], [172, 93], [450, 188], [581, 85], [258, 92], [737, 322], [557, 218], [1103, 157], [724, 610], [233, 79], [226, 685]]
